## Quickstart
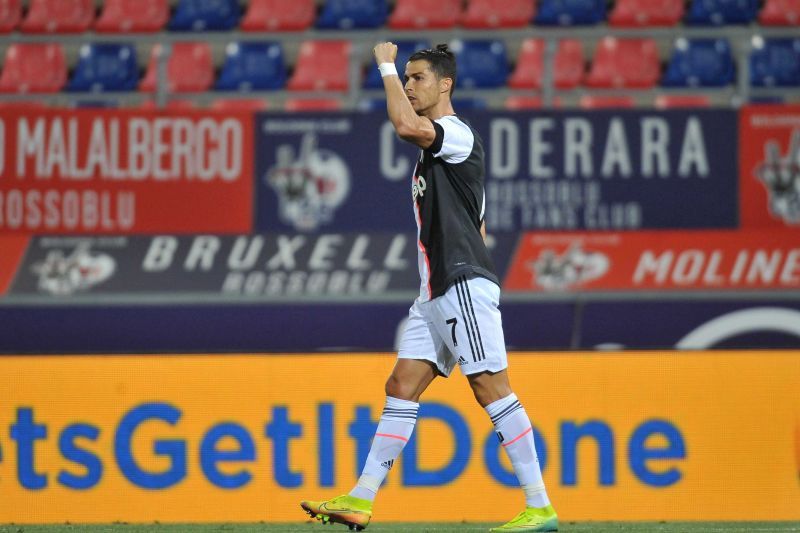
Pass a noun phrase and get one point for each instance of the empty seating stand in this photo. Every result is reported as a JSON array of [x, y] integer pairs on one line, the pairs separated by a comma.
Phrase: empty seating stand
[[498, 13], [480, 63], [631, 13], [205, 15], [628, 63], [59, 16], [10, 15], [105, 67], [350, 14], [431, 14], [322, 66], [189, 68], [775, 63], [700, 63], [373, 78], [780, 13], [132, 16], [33, 68], [718, 12], [567, 62], [570, 12], [252, 66], [279, 15]]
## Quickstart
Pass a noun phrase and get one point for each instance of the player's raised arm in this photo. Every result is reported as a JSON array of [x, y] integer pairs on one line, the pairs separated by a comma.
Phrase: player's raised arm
[[408, 124]]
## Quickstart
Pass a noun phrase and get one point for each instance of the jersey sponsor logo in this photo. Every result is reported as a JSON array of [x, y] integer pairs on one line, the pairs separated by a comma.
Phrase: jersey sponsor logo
[[62, 275], [573, 268], [311, 184], [781, 177]]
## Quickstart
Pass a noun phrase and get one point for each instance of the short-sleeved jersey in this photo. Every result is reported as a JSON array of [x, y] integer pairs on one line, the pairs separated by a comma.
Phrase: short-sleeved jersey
[[448, 194]]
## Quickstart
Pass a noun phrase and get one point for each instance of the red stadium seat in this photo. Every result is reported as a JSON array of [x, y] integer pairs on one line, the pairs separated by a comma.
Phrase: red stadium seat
[[780, 13], [189, 69], [413, 14], [279, 15], [134, 16], [10, 14], [670, 101], [519, 103], [632, 63], [239, 104], [606, 102], [317, 104], [568, 62], [58, 16], [498, 13], [646, 13], [321, 66], [34, 68]]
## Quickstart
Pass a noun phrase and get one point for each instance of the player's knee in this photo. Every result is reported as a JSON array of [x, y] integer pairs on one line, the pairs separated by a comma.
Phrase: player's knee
[[401, 389]]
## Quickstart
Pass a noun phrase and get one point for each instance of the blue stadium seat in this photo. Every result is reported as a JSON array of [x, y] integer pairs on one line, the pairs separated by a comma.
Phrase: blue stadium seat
[[252, 66], [570, 12], [717, 12], [347, 14], [480, 64], [204, 15], [700, 63], [105, 67], [404, 50], [775, 63], [468, 104]]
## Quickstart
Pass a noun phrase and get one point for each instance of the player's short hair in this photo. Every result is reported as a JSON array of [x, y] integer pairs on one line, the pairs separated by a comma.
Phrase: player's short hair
[[442, 61]]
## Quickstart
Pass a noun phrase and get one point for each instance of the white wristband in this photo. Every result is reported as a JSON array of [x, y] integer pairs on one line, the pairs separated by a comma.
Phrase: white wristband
[[387, 69]]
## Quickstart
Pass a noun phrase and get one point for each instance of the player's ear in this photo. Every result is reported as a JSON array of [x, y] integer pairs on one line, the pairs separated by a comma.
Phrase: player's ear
[[445, 84]]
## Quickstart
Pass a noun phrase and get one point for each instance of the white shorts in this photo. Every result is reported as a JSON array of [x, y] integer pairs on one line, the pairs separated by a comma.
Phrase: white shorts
[[463, 326]]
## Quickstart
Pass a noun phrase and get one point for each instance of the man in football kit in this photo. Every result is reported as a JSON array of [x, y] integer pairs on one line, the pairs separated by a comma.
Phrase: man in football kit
[[455, 320]]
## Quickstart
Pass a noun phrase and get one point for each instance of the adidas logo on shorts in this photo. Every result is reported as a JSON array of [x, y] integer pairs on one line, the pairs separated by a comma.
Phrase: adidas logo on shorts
[[461, 361]]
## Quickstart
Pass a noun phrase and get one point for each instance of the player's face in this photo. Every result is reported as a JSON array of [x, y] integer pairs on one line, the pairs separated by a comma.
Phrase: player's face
[[422, 86]]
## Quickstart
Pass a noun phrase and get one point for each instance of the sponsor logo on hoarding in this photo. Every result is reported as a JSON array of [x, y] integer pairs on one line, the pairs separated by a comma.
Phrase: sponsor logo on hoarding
[[573, 268], [62, 275], [311, 184], [781, 176]]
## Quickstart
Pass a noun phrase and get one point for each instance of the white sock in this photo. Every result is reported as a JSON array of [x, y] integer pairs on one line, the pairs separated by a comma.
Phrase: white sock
[[516, 436], [394, 429]]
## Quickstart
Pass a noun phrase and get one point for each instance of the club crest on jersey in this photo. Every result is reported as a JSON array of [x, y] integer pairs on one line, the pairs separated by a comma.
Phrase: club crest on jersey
[[418, 187], [310, 184], [62, 275], [781, 176]]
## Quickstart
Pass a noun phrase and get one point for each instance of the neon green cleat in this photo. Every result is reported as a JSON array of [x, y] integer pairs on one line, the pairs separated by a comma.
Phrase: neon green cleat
[[532, 519], [353, 512]]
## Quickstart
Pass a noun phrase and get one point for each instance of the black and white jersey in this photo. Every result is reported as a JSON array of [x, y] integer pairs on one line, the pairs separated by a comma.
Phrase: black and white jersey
[[449, 206]]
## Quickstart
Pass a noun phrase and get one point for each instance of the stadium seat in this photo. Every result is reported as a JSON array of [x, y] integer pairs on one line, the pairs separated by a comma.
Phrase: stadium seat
[[105, 67], [10, 14], [568, 65], [498, 13], [189, 68], [33, 68], [780, 13], [349, 14], [132, 16], [373, 78], [205, 15], [570, 12], [480, 64], [775, 63], [322, 66], [239, 104], [673, 101], [279, 15], [606, 102], [58, 16], [413, 14], [700, 63], [719, 12], [629, 13], [252, 66], [631, 63], [313, 104]]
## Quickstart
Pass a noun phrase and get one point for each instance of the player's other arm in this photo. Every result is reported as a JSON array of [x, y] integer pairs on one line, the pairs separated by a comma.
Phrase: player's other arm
[[408, 125]]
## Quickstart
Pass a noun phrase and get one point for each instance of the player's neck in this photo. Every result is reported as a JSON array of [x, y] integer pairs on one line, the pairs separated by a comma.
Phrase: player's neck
[[442, 109]]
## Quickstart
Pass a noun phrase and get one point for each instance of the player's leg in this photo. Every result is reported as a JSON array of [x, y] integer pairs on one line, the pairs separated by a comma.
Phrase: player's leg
[[470, 310]]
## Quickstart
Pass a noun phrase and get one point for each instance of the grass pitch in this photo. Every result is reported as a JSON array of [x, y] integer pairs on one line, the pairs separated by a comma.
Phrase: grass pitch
[[579, 527]]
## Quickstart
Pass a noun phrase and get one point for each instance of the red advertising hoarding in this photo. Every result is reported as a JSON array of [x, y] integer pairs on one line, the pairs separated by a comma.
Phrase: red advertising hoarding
[[656, 260], [123, 172], [770, 166]]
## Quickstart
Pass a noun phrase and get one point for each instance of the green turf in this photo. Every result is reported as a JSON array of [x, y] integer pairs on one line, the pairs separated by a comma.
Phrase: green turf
[[587, 527]]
